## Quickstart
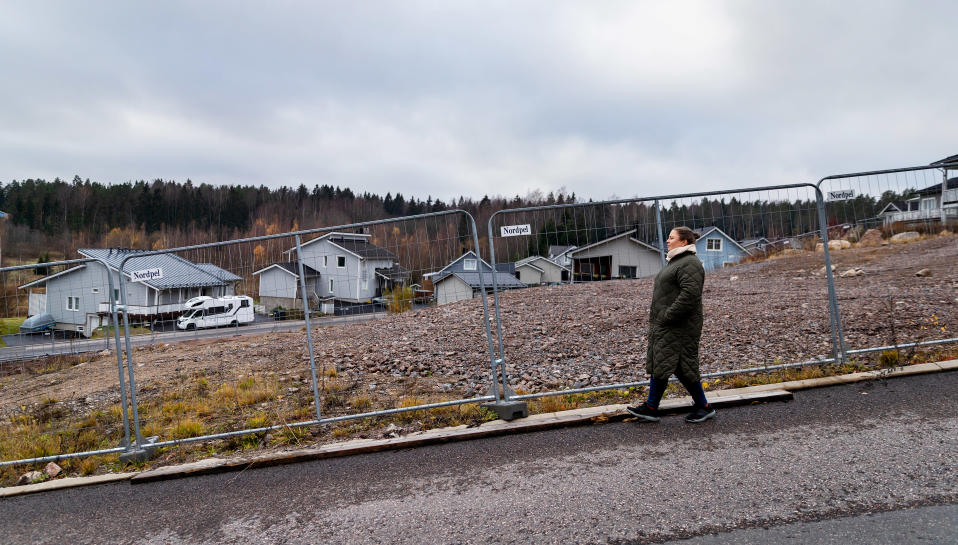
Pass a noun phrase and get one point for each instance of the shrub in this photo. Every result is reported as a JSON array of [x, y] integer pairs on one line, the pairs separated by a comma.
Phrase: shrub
[[400, 299]]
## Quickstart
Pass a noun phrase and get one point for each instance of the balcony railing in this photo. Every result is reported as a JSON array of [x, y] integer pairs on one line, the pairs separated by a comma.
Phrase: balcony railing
[[145, 310]]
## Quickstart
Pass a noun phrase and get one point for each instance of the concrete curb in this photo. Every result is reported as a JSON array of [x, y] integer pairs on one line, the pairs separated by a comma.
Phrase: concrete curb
[[69, 482], [589, 415]]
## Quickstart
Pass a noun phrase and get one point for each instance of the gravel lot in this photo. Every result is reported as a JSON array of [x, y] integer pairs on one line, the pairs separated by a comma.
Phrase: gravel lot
[[564, 336]]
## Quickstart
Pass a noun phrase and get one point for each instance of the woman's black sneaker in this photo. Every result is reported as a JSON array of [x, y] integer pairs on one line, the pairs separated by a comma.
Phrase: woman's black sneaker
[[700, 414], [645, 412]]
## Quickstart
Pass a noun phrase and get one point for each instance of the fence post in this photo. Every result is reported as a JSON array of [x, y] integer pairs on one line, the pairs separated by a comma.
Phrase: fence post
[[835, 317], [506, 408], [309, 333], [143, 449], [658, 224], [944, 188], [119, 355]]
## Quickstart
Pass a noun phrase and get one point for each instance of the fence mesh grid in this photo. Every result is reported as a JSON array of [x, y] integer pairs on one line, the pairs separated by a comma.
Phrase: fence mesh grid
[[590, 267], [219, 342], [894, 255]]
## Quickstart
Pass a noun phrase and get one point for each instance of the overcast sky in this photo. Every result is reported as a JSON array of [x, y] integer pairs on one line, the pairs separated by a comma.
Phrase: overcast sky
[[604, 99]]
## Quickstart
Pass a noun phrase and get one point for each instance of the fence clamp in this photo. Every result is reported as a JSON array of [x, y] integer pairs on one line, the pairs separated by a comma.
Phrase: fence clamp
[[140, 451], [119, 308], [506, 409]]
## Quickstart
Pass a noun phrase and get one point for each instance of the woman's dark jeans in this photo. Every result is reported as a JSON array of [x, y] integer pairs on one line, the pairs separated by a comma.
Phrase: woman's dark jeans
[[657, 390]]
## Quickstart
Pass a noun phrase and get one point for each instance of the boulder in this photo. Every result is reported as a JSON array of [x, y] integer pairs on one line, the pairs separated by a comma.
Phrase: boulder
[[839, 244], [52, 470], [923, 272], [856, 271], [29, 477], [821, 271], [908, 236], [872, 237]]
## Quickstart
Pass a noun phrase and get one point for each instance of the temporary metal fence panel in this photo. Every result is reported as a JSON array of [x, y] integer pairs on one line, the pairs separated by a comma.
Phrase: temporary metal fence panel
[[62, 385], [574, 284], [894, 251], [220, 345]]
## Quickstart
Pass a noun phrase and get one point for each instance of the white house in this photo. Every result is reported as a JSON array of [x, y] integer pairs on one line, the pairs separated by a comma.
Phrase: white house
[[619, 256], [279, 286], [351, 268]]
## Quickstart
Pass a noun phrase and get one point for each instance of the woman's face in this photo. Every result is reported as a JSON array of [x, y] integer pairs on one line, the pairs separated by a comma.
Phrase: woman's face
[[674, 241]]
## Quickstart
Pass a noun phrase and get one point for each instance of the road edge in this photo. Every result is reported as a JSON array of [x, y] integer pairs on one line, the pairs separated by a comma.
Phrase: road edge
[[590, 415]]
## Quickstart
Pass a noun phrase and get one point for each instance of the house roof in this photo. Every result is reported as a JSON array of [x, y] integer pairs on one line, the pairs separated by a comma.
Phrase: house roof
[[482, 262], [530, 265], [899, 206], [610, 239], [935, 189], [177, 272], [290, 267], [711, 229], [532, 259], [556, 251], [753, 241], [503, 280], [363, 248], [355, 243], [953, 159]]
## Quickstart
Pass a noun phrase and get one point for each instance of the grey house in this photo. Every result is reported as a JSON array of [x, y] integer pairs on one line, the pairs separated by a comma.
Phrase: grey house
[[619, 256], [79, 301], [460, 279], [539, 270], [928, 204], [279, 286], [351, 268], [560, 255], [755, 245]]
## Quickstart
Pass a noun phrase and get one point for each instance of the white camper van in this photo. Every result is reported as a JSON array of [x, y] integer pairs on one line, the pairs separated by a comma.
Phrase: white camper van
[[206, 311]]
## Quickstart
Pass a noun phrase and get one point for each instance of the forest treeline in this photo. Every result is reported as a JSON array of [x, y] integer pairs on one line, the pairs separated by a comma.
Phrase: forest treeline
[[62, 216], [59, 217]]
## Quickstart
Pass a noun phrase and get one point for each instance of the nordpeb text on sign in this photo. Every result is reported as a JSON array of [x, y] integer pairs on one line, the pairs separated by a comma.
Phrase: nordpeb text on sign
[[147, 274], [516, 230], [841, 195]]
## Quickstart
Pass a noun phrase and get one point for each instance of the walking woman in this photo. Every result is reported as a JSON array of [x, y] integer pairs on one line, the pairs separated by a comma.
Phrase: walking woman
[[675, 327]]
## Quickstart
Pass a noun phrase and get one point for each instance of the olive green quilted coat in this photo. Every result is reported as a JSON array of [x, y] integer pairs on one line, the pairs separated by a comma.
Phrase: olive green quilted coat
[[675, 320]]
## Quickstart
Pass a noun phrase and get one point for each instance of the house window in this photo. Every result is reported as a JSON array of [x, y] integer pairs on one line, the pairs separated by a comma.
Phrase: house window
[[73, 303], [325, 261], [469, 264], [341, 261], [626, 271], [585, 268], [713, 244], [116, 294], [330, 285], [929, 203]]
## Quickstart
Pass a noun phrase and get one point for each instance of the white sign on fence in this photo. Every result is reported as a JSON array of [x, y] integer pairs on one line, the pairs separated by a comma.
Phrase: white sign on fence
[[841, 195], [516, 230], [147, 274]]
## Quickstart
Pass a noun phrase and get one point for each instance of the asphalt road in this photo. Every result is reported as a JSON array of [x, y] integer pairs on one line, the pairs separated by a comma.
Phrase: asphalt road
[[829, 458], [39, 346]]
